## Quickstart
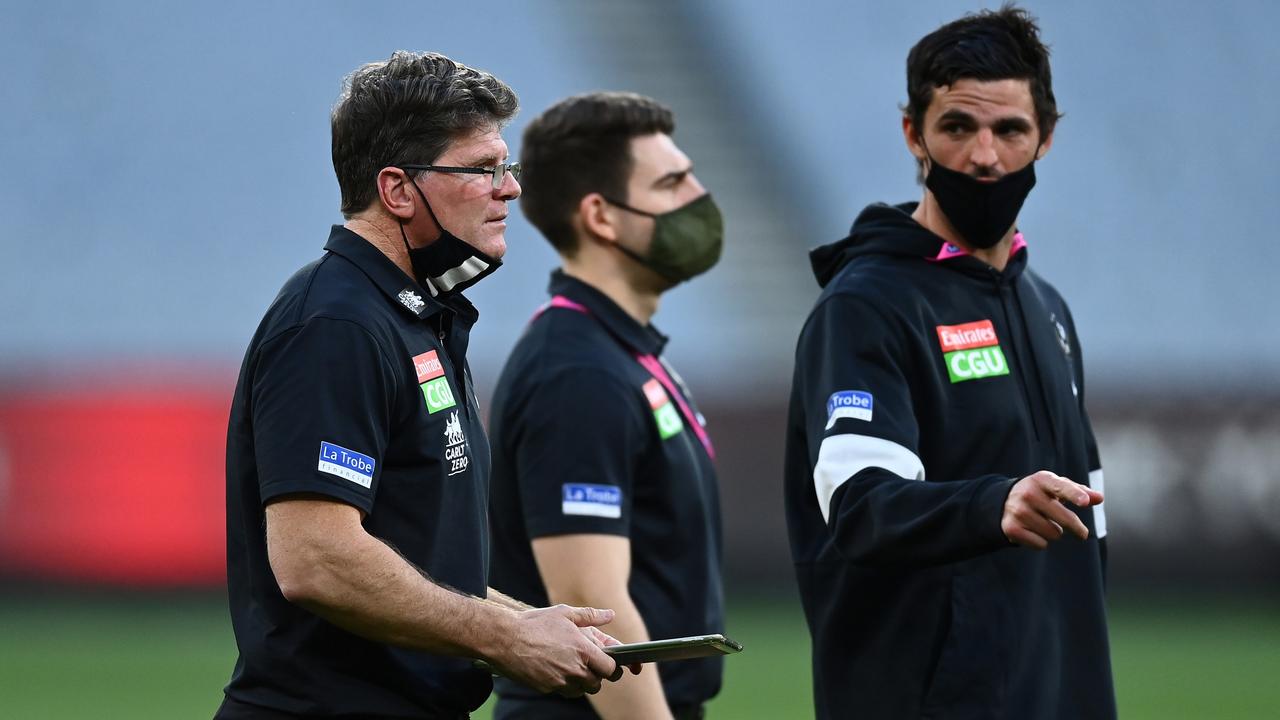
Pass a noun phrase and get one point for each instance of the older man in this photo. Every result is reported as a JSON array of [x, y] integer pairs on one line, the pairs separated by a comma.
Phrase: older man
[[357, 467]]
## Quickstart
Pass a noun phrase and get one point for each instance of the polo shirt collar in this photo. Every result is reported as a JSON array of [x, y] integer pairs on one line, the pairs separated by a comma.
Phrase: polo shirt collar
[[399, 288], [644, 339]]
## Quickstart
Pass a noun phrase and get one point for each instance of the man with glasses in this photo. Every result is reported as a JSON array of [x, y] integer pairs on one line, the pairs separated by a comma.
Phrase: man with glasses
[[357, 467], [943, 485], [604, 490]]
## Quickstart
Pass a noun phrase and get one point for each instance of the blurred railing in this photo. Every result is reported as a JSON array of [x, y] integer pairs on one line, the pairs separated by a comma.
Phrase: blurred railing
[[124, 485]]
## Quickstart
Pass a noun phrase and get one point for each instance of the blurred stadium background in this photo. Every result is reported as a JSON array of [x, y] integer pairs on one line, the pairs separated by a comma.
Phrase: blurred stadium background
[[166, 167]]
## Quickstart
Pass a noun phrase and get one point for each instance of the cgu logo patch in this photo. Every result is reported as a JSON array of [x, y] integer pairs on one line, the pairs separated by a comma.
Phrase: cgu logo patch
[[664, 411], [435, 386], [971, 351]]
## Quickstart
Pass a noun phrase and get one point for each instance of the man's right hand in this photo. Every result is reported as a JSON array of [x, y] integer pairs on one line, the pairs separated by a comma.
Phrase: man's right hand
[[548, 651], [1034, 514]]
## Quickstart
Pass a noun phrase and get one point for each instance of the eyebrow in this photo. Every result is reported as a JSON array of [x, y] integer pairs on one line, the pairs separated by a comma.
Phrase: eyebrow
[[486, 160], [481, 158], [1011, 123], [673, 177], [957, 116]]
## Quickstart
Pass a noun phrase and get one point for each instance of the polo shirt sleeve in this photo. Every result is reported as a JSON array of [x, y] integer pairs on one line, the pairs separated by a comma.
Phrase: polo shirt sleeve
[[580, 436], [322, 398], [855, 381]]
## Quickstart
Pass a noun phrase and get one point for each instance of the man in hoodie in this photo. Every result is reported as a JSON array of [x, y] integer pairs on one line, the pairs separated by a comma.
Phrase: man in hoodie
[[943, 486]]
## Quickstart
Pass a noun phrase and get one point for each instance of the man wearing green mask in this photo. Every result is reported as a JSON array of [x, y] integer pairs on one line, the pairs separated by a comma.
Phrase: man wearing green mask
[[604, 488]]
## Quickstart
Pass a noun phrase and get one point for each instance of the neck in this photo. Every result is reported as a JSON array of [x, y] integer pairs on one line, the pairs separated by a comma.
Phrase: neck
[[931, 217], [639, 304], [386, 239]]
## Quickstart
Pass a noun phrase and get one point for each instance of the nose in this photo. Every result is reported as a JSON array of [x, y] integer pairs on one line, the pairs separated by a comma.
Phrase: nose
[[509, 189], [983, 154], [692, 188]]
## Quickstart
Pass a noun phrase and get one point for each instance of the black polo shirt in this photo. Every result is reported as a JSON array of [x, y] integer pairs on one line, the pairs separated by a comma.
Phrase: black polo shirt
[[586, 440], [355, 387]]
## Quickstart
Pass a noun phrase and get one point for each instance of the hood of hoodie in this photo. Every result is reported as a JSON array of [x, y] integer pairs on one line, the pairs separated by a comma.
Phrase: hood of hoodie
[[883, 229]]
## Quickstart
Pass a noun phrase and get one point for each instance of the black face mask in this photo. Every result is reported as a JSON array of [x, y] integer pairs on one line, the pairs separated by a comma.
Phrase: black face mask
[[448, 265], [982, 212]]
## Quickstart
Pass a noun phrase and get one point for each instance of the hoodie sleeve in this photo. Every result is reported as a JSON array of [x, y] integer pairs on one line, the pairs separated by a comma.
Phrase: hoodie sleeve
[[1096, 480], [863, 443]]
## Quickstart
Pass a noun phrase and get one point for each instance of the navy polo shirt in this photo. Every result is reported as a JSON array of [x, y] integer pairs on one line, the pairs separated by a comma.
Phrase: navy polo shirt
[[586, 440], [355, 387]]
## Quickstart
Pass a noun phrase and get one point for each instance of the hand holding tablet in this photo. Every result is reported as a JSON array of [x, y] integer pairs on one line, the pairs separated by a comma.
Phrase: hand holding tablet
[[685, 648]]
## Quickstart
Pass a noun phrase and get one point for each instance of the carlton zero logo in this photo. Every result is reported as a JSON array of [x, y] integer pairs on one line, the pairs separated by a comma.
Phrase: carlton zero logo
[[435, 386], [972, 351], [346, 464], [455, 445]]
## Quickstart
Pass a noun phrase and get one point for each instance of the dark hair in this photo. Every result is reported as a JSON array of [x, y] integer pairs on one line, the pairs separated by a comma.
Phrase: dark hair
[[406, 110], [989, 45], [579, 146]]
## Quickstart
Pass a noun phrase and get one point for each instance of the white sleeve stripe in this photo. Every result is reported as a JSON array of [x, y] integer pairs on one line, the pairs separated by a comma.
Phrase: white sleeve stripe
[[1099, 514], [842, 456]]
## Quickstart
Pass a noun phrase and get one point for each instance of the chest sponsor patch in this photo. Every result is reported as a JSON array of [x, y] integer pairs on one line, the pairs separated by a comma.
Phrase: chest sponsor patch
[[972, 351], [428, 366], [855, 404], [346, 464], [595, 500], [664, 411], [438, 394]]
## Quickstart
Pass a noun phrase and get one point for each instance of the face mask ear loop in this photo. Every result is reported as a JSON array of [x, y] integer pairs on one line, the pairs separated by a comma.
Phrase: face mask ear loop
[[628, 208], [628, 251], [405, 239], [430, 212], [631, 254], [927, 155]]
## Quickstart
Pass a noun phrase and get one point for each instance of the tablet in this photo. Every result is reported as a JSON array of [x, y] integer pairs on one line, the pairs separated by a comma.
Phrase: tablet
[[684, 648]]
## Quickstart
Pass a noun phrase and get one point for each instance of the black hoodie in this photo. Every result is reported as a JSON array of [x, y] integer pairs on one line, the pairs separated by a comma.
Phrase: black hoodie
[[926, 384]]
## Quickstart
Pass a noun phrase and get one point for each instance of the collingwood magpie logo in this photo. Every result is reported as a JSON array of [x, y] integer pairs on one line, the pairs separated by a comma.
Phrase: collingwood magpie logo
[[411, 300], [455, 449], [1063, 339]]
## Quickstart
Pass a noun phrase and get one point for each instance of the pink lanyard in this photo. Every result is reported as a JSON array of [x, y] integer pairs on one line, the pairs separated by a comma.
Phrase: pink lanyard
[[655, 368]]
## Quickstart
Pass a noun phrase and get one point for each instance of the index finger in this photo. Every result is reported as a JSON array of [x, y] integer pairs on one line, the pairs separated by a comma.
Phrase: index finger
[[1057, 512], [1071, 492], [600, 664]]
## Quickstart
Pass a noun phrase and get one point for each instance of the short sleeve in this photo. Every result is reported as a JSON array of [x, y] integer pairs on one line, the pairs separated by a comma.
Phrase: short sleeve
[[578, 440], [321, 412]]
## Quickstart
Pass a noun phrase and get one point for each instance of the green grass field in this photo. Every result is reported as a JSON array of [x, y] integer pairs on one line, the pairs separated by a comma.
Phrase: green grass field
[[168, 658]]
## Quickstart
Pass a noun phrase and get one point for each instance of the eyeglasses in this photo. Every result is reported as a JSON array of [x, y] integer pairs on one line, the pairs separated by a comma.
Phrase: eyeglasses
[[499, 171]]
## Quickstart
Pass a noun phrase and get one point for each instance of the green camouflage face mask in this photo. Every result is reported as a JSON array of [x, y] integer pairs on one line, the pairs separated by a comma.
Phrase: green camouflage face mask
[[686, 241]]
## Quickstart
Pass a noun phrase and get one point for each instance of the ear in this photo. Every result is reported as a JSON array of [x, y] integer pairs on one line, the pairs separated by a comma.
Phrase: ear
[[598, 217], [912, 136], [395, 193], [1044, 146]]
